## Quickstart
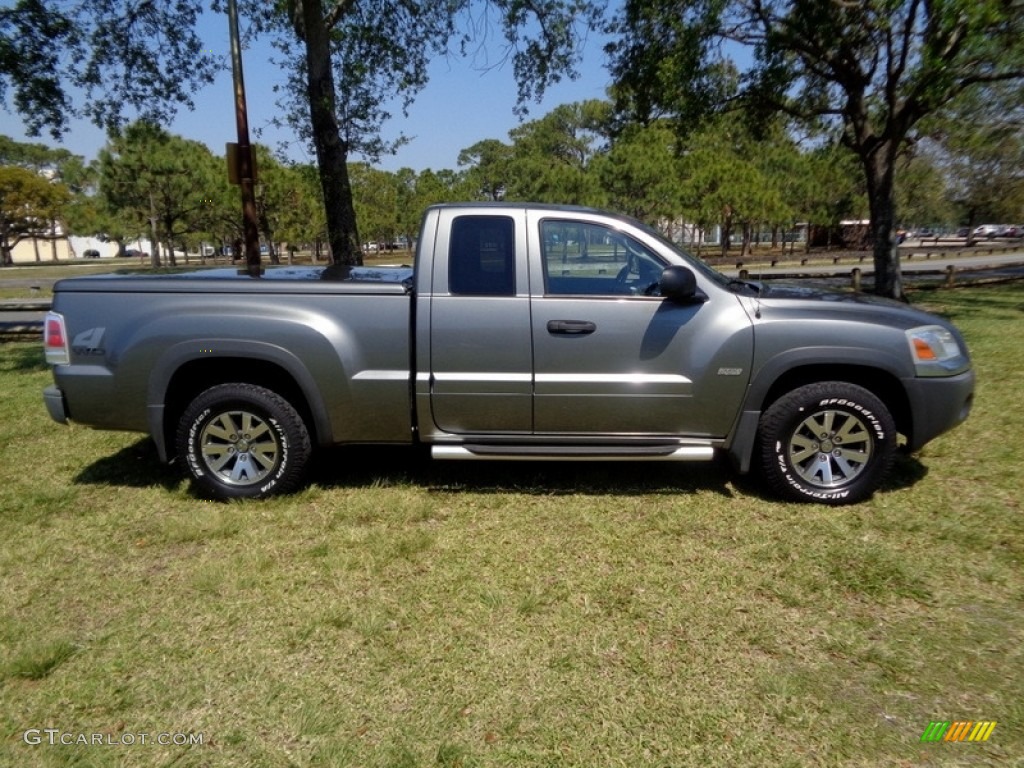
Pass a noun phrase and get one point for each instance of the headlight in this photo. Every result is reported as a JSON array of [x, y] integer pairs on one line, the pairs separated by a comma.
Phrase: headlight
[[935, 351]]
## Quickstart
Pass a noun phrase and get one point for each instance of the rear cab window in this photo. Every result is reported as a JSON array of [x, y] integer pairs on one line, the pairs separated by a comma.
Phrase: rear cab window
[[482, 256]]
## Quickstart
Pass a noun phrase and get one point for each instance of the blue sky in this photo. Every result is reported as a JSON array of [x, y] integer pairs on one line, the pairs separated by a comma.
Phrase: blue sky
[[460, 106]]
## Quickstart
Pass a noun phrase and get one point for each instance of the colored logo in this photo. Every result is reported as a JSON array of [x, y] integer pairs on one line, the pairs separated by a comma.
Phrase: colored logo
[[959, 730]]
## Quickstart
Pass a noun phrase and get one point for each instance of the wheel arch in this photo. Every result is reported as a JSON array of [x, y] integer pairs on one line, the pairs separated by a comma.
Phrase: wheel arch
[[882, 383], [881, 380], [175, 386]]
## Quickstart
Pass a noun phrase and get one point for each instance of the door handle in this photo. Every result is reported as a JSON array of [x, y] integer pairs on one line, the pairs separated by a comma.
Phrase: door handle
[[571, 327]]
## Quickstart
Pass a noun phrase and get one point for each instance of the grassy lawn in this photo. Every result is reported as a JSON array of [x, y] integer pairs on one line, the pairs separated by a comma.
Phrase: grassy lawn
[[401, 613]]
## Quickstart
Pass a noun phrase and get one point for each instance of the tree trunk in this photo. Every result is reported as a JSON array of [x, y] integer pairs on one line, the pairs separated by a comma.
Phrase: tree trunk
[[6, 248], [154, 241], [268, 231], [726, 234], [970, 227], [879, 174], [169, 244], [331, 151]]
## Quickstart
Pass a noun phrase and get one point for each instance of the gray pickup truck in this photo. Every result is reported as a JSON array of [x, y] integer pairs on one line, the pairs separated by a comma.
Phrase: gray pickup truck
[[522, 332]]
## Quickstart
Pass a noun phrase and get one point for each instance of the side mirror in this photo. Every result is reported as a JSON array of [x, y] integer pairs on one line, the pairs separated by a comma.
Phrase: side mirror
[[678, 283]]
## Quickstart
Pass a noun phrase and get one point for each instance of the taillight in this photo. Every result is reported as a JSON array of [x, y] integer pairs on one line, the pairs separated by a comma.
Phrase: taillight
[[55, 339]]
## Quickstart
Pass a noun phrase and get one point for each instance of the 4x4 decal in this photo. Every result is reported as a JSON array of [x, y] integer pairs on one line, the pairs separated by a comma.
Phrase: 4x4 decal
[[88, 342]]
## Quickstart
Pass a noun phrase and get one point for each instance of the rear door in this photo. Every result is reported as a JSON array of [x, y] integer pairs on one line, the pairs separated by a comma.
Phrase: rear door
[[481, 353]]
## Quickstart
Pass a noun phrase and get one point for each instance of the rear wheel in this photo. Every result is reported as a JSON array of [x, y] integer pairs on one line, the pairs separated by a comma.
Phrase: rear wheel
[[830, 442], [243, 441]]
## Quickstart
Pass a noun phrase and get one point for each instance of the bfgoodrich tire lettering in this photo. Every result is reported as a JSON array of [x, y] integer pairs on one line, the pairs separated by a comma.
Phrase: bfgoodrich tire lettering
[[830, 442], [243, 441]]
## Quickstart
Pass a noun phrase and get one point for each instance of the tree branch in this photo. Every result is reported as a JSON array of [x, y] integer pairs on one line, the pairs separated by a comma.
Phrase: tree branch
[[337, 13]]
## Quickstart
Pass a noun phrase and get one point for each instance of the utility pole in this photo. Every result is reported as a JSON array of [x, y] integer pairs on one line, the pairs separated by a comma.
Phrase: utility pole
[[241, 164]]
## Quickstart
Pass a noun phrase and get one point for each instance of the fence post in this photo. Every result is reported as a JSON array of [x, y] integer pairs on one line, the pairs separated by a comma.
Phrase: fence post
[[950, 272], [855, 275]]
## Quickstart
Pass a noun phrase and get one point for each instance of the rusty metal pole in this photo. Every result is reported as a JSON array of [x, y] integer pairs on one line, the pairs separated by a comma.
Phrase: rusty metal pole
[[246, 167]]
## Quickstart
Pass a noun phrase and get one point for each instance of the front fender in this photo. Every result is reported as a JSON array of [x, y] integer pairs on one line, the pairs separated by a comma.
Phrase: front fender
[[825, 358], [805, 364]]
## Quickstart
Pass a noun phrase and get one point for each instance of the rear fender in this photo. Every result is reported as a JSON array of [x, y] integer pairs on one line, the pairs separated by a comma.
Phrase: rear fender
[[187, 353]]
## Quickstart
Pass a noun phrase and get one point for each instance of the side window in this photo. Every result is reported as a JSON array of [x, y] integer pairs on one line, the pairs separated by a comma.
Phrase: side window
[[482, 256], [594, 260]]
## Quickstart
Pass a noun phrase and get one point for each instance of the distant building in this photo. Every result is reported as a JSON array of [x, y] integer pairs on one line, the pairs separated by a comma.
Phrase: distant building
[[44, 249]]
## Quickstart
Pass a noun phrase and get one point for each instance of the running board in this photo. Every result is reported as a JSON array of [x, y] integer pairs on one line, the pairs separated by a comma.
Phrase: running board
[[478, 452]]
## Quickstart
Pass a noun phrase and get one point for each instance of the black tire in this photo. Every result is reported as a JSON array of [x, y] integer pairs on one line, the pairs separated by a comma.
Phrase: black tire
[[240, 441], [830, 442]]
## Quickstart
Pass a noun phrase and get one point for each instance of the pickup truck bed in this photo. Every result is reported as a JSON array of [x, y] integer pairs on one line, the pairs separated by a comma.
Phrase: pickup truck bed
[[326, 333]]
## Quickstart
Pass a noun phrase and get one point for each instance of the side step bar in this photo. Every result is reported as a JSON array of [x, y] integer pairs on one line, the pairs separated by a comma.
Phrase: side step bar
[[480, 452]]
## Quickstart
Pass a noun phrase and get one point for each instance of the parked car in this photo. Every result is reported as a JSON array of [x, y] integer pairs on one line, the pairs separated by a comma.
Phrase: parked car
[[986, 230]]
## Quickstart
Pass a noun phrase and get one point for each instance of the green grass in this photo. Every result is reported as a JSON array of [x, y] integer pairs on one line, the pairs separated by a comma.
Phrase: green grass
[[403, 613]]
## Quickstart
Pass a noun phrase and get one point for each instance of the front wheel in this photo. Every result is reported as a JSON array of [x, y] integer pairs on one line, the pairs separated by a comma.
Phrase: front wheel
[[243, 441], [830, 442]]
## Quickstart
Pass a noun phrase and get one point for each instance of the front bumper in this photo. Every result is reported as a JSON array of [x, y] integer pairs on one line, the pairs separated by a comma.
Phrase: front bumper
[[56, 405], [938, 405]]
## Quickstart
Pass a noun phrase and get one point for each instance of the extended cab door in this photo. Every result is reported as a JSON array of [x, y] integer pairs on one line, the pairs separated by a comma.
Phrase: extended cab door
[[480, 360], [612, 360]]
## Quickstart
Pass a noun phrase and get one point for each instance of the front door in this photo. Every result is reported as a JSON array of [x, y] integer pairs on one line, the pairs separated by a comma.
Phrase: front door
[[610, 358]]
